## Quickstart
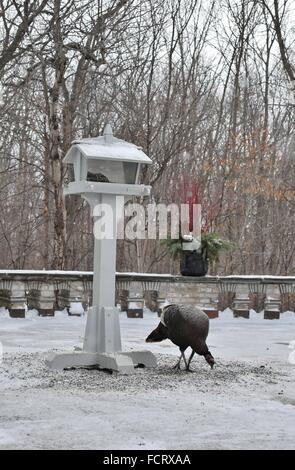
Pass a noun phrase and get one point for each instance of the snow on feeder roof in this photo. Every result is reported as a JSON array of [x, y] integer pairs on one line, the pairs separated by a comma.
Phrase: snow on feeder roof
[[107, 147]]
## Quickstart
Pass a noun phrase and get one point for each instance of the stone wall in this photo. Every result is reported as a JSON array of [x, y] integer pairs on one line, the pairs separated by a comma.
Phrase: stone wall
[[51, 290]]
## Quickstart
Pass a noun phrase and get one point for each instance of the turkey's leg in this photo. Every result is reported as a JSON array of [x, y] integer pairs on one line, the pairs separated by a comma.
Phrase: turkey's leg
[[177, 365], [184, 358], [189, 361]]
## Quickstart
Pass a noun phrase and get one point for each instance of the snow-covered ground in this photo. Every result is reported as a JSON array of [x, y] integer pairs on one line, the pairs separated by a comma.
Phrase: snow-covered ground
[[247, 401]]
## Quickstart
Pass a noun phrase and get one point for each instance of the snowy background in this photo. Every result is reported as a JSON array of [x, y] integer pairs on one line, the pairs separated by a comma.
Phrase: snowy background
[[247, 401]]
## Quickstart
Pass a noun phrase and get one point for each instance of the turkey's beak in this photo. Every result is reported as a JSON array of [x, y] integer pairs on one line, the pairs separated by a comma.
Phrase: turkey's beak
[[212, 366]]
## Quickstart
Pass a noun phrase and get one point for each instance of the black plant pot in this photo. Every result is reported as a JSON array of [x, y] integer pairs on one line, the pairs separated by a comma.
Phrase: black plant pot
[[193, 264]]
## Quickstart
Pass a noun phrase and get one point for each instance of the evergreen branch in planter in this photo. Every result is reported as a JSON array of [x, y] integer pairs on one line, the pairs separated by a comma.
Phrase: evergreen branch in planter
[[211, 246]]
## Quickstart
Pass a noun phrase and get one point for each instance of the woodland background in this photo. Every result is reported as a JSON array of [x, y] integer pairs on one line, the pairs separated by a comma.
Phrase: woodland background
[[206, 87]]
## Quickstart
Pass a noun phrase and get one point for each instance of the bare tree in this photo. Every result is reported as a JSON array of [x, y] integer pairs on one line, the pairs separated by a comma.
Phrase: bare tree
[[198, 84], [15, 21]]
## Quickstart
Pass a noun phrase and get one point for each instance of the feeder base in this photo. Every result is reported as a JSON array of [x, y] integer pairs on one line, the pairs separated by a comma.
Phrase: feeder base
[[121, 362]]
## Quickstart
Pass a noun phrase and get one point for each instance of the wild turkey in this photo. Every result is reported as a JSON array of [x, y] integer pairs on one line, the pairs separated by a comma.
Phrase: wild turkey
[[186, 326]]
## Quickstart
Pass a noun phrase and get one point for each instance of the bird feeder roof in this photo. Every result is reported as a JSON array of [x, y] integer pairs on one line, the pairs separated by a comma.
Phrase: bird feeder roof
[[107, 147]]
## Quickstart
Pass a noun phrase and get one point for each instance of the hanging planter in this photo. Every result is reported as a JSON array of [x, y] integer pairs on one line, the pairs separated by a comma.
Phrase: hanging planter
[[192, 263], [195, 257]]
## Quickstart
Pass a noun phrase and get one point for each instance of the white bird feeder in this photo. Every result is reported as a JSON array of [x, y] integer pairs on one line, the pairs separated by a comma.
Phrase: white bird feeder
[[105, 167]]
